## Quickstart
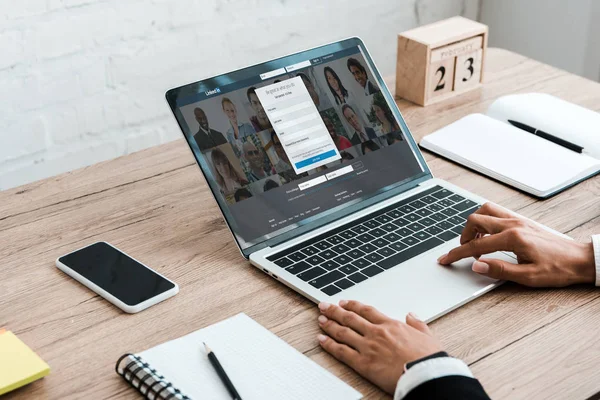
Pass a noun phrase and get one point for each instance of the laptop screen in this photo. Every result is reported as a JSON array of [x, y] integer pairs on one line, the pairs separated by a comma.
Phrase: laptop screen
[[287, 142]]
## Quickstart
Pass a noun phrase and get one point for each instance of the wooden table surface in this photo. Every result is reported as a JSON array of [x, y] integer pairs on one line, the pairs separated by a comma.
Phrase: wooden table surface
[[522, 343]]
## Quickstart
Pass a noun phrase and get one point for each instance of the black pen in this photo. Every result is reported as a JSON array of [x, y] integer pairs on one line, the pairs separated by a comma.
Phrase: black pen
[[547, 136], [222, 374]]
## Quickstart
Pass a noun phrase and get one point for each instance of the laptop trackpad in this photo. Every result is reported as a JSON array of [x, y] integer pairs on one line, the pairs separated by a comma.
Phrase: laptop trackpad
[[424, 287]]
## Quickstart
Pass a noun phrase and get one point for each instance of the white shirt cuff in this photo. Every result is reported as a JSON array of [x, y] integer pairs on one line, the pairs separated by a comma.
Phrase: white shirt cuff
[[596, 245], [428, 370]]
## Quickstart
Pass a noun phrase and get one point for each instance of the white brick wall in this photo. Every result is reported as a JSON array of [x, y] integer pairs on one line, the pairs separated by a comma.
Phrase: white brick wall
[[83, 81]]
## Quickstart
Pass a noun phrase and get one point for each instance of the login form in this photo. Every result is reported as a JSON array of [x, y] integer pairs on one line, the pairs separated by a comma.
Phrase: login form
[[297, 123]]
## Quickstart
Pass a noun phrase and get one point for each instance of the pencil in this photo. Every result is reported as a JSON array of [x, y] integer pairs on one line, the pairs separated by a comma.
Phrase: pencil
[[222, 374]]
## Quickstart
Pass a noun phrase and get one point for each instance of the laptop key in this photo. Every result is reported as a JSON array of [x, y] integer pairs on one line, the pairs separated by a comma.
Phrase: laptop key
[[309, 251], [383, 219], [395, 214], [373, 257], [315, 260], [297, 256], [284, 262], [389, 227], [348, 269], [422, 235], [464, 205], [298, 267], [329, 265], [360, 263], [446, 203], [367, 248], [438, 217], [343, 259], [435, 207], [357, 277], [353, 243], [386, 251], [344, 283], [331, 290], [448, 235], [440, 194], [433, 230], [423, 212], [445, 225], [359, 229], [468, 212], [449, 212], [377, 232], [311, 273], [456, 220], [322, 245], [335, 239], [355, 253], [415, 227], [417, 204], [404, 232], [427, 221], [380, 242], [456, 198], [409, 253], [400, 222], [365, 237], [406, 209], [347, 234], [412, 217], [328, 254], [398, 246], [392, 237], [372, 270], [428, 199], [326, 279], [410, 241], [371, 224], [340, 248]]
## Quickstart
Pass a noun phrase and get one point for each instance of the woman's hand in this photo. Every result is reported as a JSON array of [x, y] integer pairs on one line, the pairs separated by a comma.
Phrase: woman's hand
[[545, 259], [375, 346]]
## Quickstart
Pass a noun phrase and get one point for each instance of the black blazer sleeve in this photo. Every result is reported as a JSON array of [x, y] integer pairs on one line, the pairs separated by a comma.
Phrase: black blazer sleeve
[[449, 388]]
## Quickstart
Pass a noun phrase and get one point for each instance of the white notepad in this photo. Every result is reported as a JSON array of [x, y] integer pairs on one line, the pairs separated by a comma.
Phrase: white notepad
[[260, 365], [516, 157]]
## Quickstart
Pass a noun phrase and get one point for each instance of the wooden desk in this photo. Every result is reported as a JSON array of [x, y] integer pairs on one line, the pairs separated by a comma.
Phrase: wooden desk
[[521, 343]]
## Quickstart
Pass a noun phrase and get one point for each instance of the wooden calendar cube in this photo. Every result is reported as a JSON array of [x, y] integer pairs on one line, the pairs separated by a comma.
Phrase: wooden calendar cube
[[440, 60]]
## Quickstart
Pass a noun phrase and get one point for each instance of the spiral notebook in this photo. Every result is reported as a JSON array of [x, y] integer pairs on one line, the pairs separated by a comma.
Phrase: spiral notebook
[[260, 365]]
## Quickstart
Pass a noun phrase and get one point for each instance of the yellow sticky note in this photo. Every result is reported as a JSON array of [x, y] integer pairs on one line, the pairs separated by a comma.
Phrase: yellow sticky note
[[19, 365]]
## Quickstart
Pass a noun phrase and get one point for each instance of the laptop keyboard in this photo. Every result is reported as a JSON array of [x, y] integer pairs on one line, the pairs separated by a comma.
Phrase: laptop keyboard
[[361, 249]]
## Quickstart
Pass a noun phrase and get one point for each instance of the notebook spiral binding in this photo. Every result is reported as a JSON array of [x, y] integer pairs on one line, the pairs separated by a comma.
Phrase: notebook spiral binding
[[146, 380]]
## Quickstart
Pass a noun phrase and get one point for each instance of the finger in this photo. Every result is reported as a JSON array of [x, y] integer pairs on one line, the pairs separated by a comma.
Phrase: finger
[[369, 313], [484, 245], [498, 269], [482, 224], [345, 318], [341, 334], [343, 353], [494, 210], [413, 320]]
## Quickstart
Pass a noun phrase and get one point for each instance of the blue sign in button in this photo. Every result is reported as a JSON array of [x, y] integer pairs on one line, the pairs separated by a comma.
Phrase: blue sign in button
[[316, 159]]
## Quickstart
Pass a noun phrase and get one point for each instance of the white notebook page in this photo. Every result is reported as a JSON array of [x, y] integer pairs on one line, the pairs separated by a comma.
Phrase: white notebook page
[[509, 154], [260, 365]]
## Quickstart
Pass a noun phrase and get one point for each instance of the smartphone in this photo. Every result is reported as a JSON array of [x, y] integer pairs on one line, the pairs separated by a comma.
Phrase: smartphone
[[119, 278]]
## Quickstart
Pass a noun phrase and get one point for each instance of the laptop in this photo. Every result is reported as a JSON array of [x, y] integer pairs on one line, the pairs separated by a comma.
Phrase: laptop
[[323, 186]]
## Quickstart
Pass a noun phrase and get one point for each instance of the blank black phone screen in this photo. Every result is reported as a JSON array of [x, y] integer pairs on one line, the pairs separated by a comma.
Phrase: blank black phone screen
[[117, 273]]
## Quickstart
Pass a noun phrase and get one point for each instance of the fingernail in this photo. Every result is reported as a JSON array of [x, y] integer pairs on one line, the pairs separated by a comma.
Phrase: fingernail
[[322, 319], [343, 303], [480, 267], [442, 258], [324, 306], [321, 338], [415, 316]]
